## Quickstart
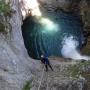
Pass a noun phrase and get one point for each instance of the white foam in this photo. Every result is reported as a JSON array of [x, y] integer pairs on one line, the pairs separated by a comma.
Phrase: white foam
[[69, 49]]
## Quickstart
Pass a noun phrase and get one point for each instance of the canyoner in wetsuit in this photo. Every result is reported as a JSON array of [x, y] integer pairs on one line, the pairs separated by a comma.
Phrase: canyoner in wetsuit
[[46, 62]]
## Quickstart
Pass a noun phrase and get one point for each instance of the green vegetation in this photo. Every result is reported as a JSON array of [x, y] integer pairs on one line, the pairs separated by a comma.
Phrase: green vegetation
[[86, 50], [4, 7], [28, 85], [4, 27], [4, 13], [79, 69]]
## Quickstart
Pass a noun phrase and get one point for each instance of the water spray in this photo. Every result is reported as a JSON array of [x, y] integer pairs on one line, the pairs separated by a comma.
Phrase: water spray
[[69, 49]]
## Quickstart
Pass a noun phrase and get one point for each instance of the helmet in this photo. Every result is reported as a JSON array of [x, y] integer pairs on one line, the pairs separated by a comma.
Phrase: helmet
[[42, 56]]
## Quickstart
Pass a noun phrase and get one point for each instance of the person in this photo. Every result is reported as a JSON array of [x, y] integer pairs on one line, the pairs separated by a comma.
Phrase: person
[[46, 62]]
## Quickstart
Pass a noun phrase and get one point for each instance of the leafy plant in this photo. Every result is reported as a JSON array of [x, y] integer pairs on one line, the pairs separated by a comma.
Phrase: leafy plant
[[28, 85], [4, 12], [2, 27], [4, 7]]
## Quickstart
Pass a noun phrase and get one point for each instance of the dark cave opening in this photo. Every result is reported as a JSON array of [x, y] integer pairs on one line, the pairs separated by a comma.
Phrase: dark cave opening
[[38, 40]]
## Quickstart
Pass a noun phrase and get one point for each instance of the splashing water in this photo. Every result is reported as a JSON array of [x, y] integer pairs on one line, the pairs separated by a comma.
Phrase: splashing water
[[69, 49]]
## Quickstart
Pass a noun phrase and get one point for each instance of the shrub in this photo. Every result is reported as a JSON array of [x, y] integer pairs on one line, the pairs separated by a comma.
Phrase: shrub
[[4, 8], [28, 85], [4, 13]]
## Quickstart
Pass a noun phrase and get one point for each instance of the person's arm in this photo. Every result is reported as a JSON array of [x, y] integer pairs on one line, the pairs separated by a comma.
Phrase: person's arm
[[42, 61]]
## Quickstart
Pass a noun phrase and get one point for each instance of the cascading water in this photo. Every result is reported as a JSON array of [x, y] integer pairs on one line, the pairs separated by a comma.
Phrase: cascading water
[[45, 39]]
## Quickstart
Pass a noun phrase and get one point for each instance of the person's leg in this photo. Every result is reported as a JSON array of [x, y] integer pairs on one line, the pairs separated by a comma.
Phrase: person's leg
[[50, 66], [46, 67]]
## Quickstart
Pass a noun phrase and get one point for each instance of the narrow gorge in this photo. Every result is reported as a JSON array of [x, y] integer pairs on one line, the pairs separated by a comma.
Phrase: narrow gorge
[[29, 29]]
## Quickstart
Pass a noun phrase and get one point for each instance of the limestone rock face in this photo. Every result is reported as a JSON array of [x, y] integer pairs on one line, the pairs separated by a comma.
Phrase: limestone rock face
[[67, 5], [85, 12], [15, 64]]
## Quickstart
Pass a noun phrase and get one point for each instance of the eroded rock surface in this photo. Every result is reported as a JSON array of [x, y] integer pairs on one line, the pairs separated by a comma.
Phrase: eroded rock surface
[[15, 64]]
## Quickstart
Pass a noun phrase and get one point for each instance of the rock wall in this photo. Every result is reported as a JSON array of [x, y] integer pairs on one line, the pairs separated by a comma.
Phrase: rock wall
[[15, 64], [85, 13]]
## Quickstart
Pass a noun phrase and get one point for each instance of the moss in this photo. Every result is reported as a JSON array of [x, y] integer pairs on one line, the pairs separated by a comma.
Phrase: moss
[[86, 50], [3, 27], [77, 70], [28, 85], [5, 12], [4, 8]]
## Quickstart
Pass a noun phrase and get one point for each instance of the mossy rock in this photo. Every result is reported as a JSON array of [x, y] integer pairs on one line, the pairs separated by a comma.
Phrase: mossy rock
[[77, 70], [4, 27], [5, 8], [28, 85], [5, 12]]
